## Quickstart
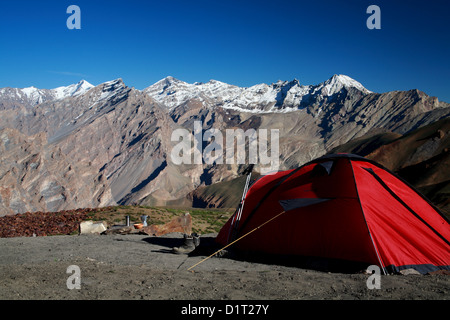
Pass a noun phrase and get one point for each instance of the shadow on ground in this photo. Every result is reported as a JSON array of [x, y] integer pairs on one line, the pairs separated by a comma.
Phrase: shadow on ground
[[208, 246]]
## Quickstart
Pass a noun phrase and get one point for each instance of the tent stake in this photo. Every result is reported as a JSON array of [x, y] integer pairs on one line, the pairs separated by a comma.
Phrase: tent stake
[[237, 240]]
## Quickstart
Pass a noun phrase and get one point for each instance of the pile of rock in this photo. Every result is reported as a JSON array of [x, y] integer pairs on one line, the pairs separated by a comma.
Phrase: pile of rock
[[42, 223]]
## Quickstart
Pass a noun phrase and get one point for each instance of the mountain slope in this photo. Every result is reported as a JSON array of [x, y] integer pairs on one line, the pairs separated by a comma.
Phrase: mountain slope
[[421, 157], [84, 146]]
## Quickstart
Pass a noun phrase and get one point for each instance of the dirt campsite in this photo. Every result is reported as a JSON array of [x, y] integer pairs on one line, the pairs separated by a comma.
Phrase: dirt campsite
[[143, 267], [138, 266]]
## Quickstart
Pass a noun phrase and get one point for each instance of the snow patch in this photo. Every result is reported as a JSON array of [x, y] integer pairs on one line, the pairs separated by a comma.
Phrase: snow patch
[[72, 90], [282, 96]]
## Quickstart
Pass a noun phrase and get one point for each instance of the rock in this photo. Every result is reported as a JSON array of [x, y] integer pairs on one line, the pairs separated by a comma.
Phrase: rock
[[407, 272], [42, 223], [121, 230], [180, 224], [89, 227], [438, 272]]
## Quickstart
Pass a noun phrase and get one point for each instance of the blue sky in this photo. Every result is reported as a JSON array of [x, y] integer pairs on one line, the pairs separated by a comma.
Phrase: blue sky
[[238, 42]]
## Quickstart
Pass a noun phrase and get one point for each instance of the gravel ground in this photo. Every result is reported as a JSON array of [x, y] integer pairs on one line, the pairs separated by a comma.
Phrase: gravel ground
[[130, 267]]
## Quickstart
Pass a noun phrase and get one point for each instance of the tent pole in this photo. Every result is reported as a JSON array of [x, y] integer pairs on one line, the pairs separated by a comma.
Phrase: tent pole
[[376, 251], [365, 220]]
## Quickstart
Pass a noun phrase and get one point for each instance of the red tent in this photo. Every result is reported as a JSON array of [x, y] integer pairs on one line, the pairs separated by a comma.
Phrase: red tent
[[342, 207]]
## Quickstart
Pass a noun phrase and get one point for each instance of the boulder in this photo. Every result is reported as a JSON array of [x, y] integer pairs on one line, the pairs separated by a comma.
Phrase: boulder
[[406, 272], [90, 227], [121, 230], [179, 224]]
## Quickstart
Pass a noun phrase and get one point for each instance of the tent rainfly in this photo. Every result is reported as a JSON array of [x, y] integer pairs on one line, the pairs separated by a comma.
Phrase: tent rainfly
[[342, 207]]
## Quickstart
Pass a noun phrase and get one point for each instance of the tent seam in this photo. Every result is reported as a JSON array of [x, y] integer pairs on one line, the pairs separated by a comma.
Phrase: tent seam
[[359, 158], [396, 197], [380, 260]]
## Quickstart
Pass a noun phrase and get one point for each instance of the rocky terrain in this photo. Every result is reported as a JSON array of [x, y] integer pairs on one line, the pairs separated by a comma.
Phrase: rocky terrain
[[139, 267], [83, 146]]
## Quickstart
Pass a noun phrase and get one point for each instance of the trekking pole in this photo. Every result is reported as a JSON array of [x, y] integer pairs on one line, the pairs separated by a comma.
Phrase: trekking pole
[[273, 218], [241, 207], [238, 213]]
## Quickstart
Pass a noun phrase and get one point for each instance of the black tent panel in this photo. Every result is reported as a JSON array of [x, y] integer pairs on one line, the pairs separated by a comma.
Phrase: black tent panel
[[291, 204]]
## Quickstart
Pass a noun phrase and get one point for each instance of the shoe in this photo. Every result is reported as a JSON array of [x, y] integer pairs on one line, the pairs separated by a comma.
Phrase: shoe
[[187, 247], [196, 239]]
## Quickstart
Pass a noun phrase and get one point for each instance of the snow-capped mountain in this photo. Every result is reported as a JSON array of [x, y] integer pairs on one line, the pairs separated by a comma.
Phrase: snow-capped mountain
[[83, 146], [336, 83], [32, 96], [72, 90], [173, 92], [281, 96]]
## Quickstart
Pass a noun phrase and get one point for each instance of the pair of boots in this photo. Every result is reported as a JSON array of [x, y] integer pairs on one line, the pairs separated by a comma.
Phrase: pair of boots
[[190, 243]]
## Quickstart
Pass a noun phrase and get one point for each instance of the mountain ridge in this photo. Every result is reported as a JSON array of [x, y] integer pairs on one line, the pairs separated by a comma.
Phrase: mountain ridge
[[34, 96], [172, 92], [165, 91], [330, 86], [111, 144]]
